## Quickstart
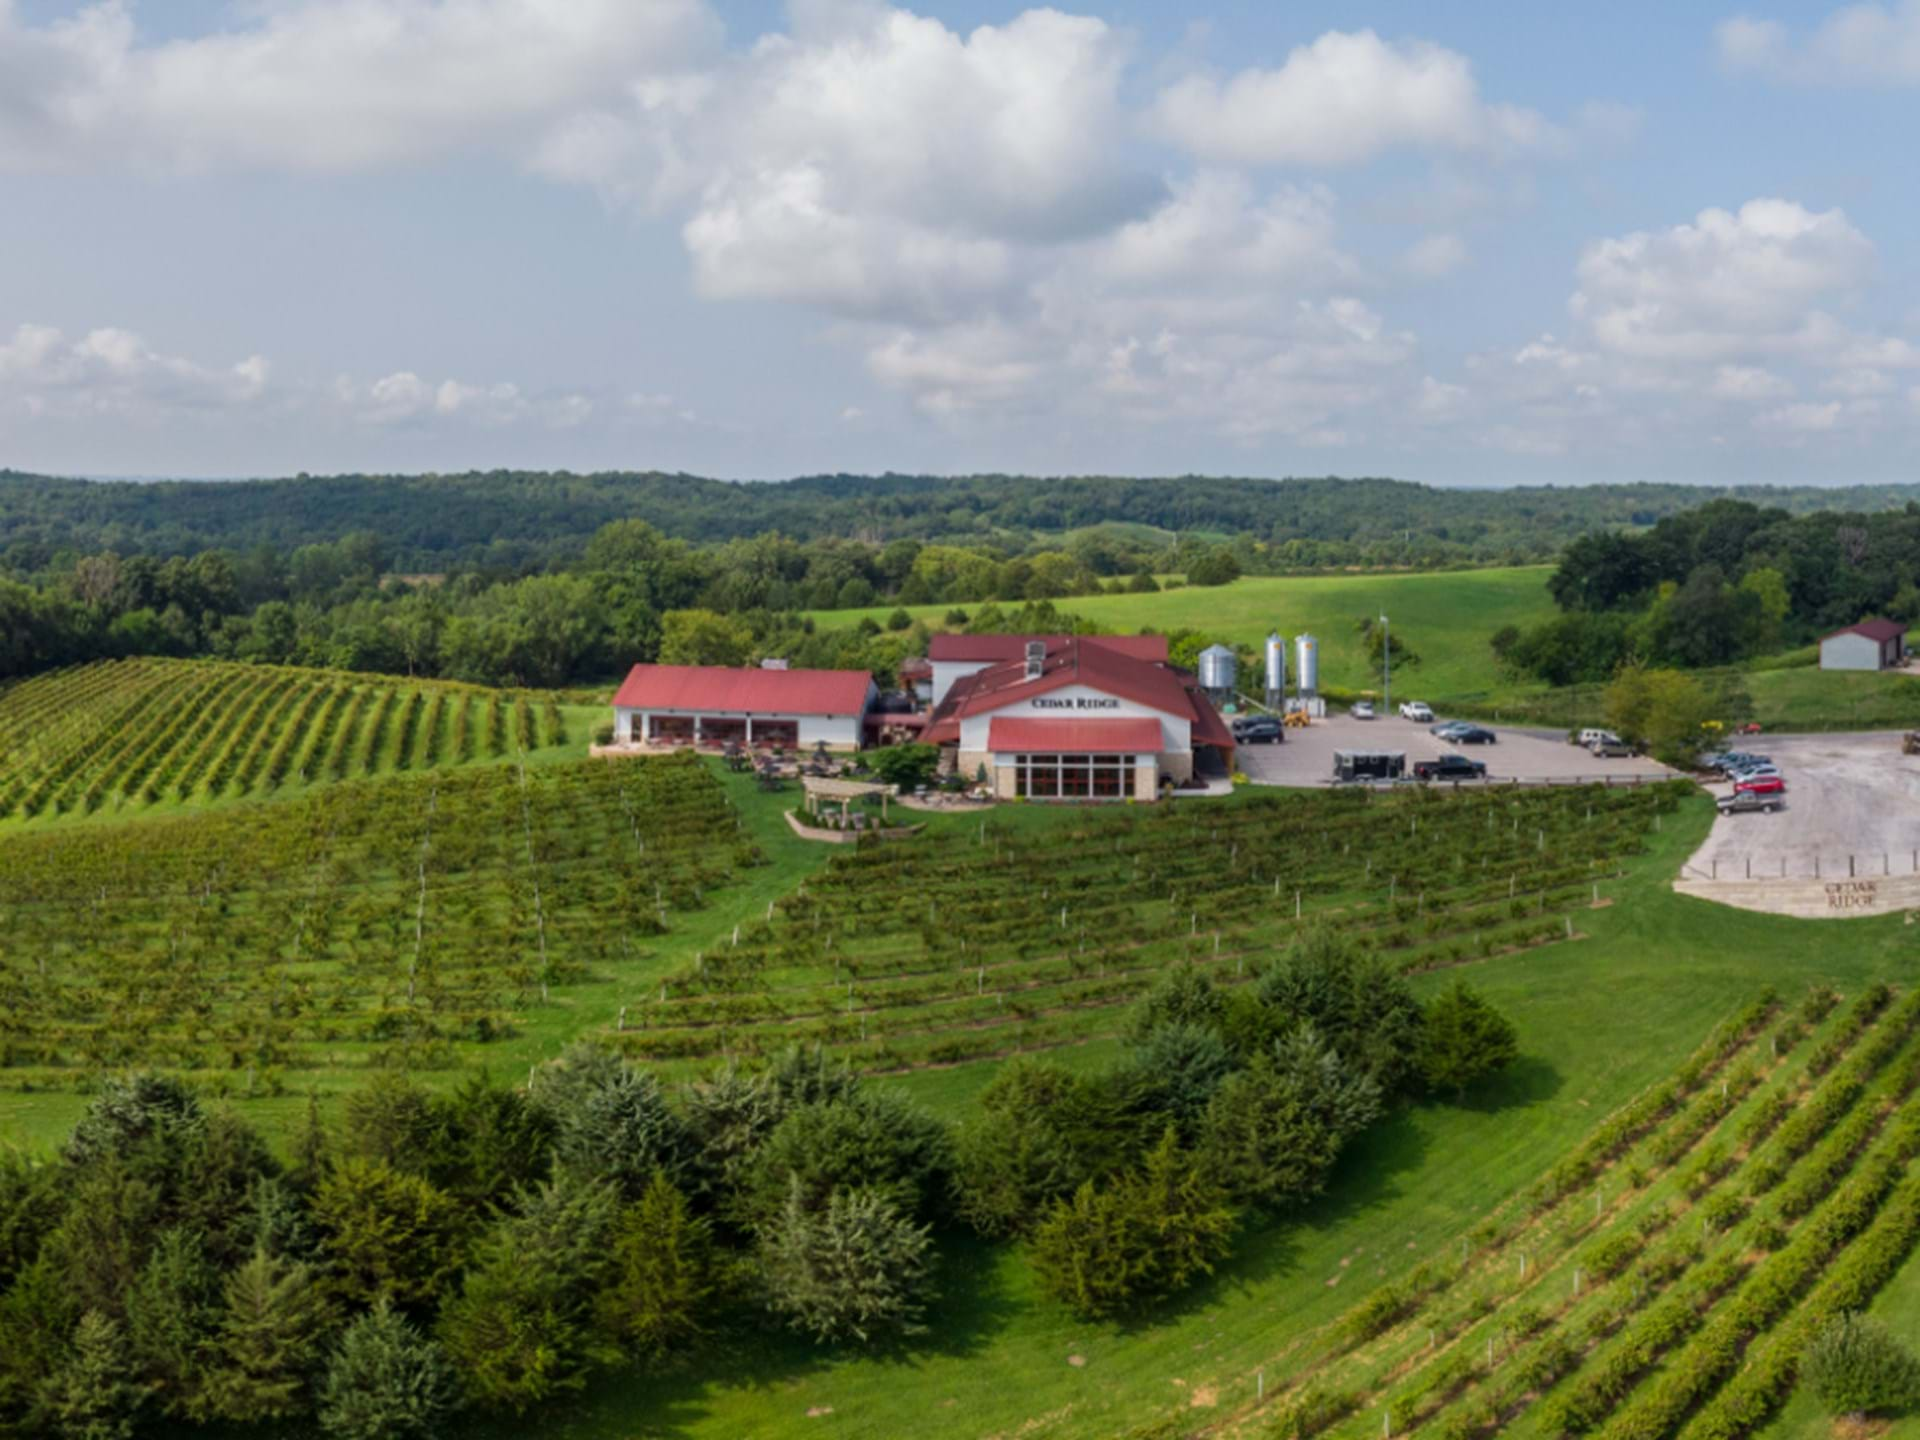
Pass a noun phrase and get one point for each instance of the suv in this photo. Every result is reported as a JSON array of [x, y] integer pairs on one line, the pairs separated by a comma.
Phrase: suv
[[1260, 730], [1449, 767], [1742, 801], [1611, 748], [1362, 710], [1417, 710]]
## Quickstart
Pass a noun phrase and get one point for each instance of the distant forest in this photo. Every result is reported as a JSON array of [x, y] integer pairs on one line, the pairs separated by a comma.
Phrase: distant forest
[[527, 520]]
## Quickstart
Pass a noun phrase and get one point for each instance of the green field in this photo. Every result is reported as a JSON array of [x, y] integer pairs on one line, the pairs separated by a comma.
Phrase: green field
[[1448, 618]]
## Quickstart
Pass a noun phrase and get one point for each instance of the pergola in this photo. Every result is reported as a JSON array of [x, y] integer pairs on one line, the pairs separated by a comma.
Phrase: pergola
[[845, 792]]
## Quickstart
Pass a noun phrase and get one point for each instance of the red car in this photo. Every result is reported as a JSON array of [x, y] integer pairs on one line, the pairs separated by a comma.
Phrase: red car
[[1765, 785]]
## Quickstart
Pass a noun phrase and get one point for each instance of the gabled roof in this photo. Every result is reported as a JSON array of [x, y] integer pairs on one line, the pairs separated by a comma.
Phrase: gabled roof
[[1878, 631], [997, 649], [1069, 736], [714, 689], [1080, 661]]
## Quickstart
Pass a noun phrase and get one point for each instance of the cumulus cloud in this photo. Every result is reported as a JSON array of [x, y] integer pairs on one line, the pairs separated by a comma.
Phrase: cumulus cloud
[[325, 84], [114, 371], [1433, 256], [1868, 44], [1340, 100], [1726, 285]]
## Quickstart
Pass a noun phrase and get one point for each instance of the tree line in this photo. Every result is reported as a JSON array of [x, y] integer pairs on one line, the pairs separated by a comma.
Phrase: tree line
[[1714, 586], [494, 1250], [530, 519]]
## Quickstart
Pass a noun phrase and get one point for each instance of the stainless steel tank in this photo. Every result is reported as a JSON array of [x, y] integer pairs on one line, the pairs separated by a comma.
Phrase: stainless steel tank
[[1276, 665], [1306, 663]]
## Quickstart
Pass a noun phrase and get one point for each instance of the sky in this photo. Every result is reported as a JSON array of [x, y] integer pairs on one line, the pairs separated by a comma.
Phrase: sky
[[1464, 244]]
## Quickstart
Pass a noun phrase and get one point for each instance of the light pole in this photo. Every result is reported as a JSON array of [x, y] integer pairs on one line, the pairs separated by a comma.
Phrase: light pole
[[1386, 665]]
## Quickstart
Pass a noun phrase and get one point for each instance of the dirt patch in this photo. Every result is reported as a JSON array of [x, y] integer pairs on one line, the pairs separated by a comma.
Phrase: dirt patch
[[1079, 1362], [1205, 1397], [819, 1410]]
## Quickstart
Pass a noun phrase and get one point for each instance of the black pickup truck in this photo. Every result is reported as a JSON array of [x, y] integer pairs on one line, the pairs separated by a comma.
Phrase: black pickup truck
[[1449, 767]]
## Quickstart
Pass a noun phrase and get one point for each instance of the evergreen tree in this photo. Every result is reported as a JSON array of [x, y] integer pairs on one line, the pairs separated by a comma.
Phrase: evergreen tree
[[92, 1395], [611, 1120], [1465, 1039], [664, 1275], [385, 1234], [877, 1141], [1263, 1141], [386, 1381], [171, 1314], [271, 1341], [854, 1269], [1008, 1168]]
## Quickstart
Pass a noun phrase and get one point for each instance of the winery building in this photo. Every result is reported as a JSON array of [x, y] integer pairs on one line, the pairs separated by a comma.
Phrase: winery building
[[1074, 717], [710, 705]]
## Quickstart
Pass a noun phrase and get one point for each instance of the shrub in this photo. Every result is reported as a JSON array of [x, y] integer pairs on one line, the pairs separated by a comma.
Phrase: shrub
[[1855, 1366]]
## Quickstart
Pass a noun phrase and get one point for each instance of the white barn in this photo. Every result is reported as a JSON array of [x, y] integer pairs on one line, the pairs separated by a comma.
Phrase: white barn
[[1870, 645]]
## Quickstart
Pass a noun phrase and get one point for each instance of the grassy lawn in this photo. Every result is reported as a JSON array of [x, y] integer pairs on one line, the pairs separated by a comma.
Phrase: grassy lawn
[[1600, 1019], [1447, 618]]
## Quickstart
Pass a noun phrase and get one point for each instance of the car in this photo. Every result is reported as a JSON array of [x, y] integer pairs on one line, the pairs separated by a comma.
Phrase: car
[[1743, 801], [1449, 767], [1448, 727], [1474, 735], [1260, 730], [1586, 739], [1361, 710], [1753, 772], [1761, 785], [1731, 760], [1612, 749], [1418, 711]]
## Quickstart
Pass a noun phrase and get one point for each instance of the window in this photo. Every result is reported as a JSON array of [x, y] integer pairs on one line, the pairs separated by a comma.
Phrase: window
[[1073, 777]]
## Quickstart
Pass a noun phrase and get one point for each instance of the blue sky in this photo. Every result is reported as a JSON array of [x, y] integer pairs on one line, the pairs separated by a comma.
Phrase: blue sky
[[1464, 244]]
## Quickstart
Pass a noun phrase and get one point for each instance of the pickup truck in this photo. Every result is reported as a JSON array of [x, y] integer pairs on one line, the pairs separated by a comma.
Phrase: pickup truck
[[1417, 710], [1743, 801], [1449, 767]]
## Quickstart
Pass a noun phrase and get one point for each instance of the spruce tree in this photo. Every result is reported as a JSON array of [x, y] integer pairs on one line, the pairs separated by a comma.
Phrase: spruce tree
[[664, 1275], [386, 1381], [1464, 1040], [92, 1396], [270, 1343]]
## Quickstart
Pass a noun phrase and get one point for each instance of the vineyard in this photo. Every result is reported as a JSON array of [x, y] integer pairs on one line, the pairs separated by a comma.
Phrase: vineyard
[[392, 921], [130, 734], [1663, 1278], [998, 937]]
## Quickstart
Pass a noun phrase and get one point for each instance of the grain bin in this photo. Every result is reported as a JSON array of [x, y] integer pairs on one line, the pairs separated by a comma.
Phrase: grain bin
[[1219, 670], [1306, 663]]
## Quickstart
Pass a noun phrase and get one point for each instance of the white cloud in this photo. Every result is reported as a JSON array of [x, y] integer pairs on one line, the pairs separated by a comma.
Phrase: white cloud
[[1433, 256], [1342, 99], [1870, 44], [1805, 418], [1748, 382], [325, 84], [403, 398], [1725, 286], [114, 371]]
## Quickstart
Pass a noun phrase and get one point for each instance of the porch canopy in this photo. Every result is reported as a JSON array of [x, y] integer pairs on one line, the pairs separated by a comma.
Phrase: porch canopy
[[1010, 734], [844, 792]]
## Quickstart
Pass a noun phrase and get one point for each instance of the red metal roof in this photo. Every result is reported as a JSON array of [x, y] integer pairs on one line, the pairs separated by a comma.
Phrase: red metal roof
[[1081, 661], [997, 649], [1879, 631], [718, 689], [1136, 736]]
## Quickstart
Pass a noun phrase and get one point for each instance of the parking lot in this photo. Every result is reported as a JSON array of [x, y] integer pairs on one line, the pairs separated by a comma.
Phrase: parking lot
[[1852, 809], [1307, 756]]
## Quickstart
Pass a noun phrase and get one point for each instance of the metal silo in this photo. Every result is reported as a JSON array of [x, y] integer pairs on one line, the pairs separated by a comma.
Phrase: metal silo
[[1276, 668], [1219, 669], [1306, 663]]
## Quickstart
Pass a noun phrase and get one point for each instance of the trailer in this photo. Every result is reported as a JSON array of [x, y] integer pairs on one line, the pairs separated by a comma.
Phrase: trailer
[[1356, 765]]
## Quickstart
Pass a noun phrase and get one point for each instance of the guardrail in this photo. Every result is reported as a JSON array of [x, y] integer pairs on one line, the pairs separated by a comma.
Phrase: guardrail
[[1511, 782]]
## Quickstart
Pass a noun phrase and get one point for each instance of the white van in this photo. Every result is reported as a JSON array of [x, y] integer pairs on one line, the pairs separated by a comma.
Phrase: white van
[[1590, 738]]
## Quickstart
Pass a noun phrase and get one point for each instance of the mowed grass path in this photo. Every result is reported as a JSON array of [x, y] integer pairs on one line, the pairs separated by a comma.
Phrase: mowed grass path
[[1447, 617], [1600, 1018]]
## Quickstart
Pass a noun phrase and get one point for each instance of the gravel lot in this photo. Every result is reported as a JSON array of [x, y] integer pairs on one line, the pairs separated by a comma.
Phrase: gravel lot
[[1847, 795], [1307, 757]]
